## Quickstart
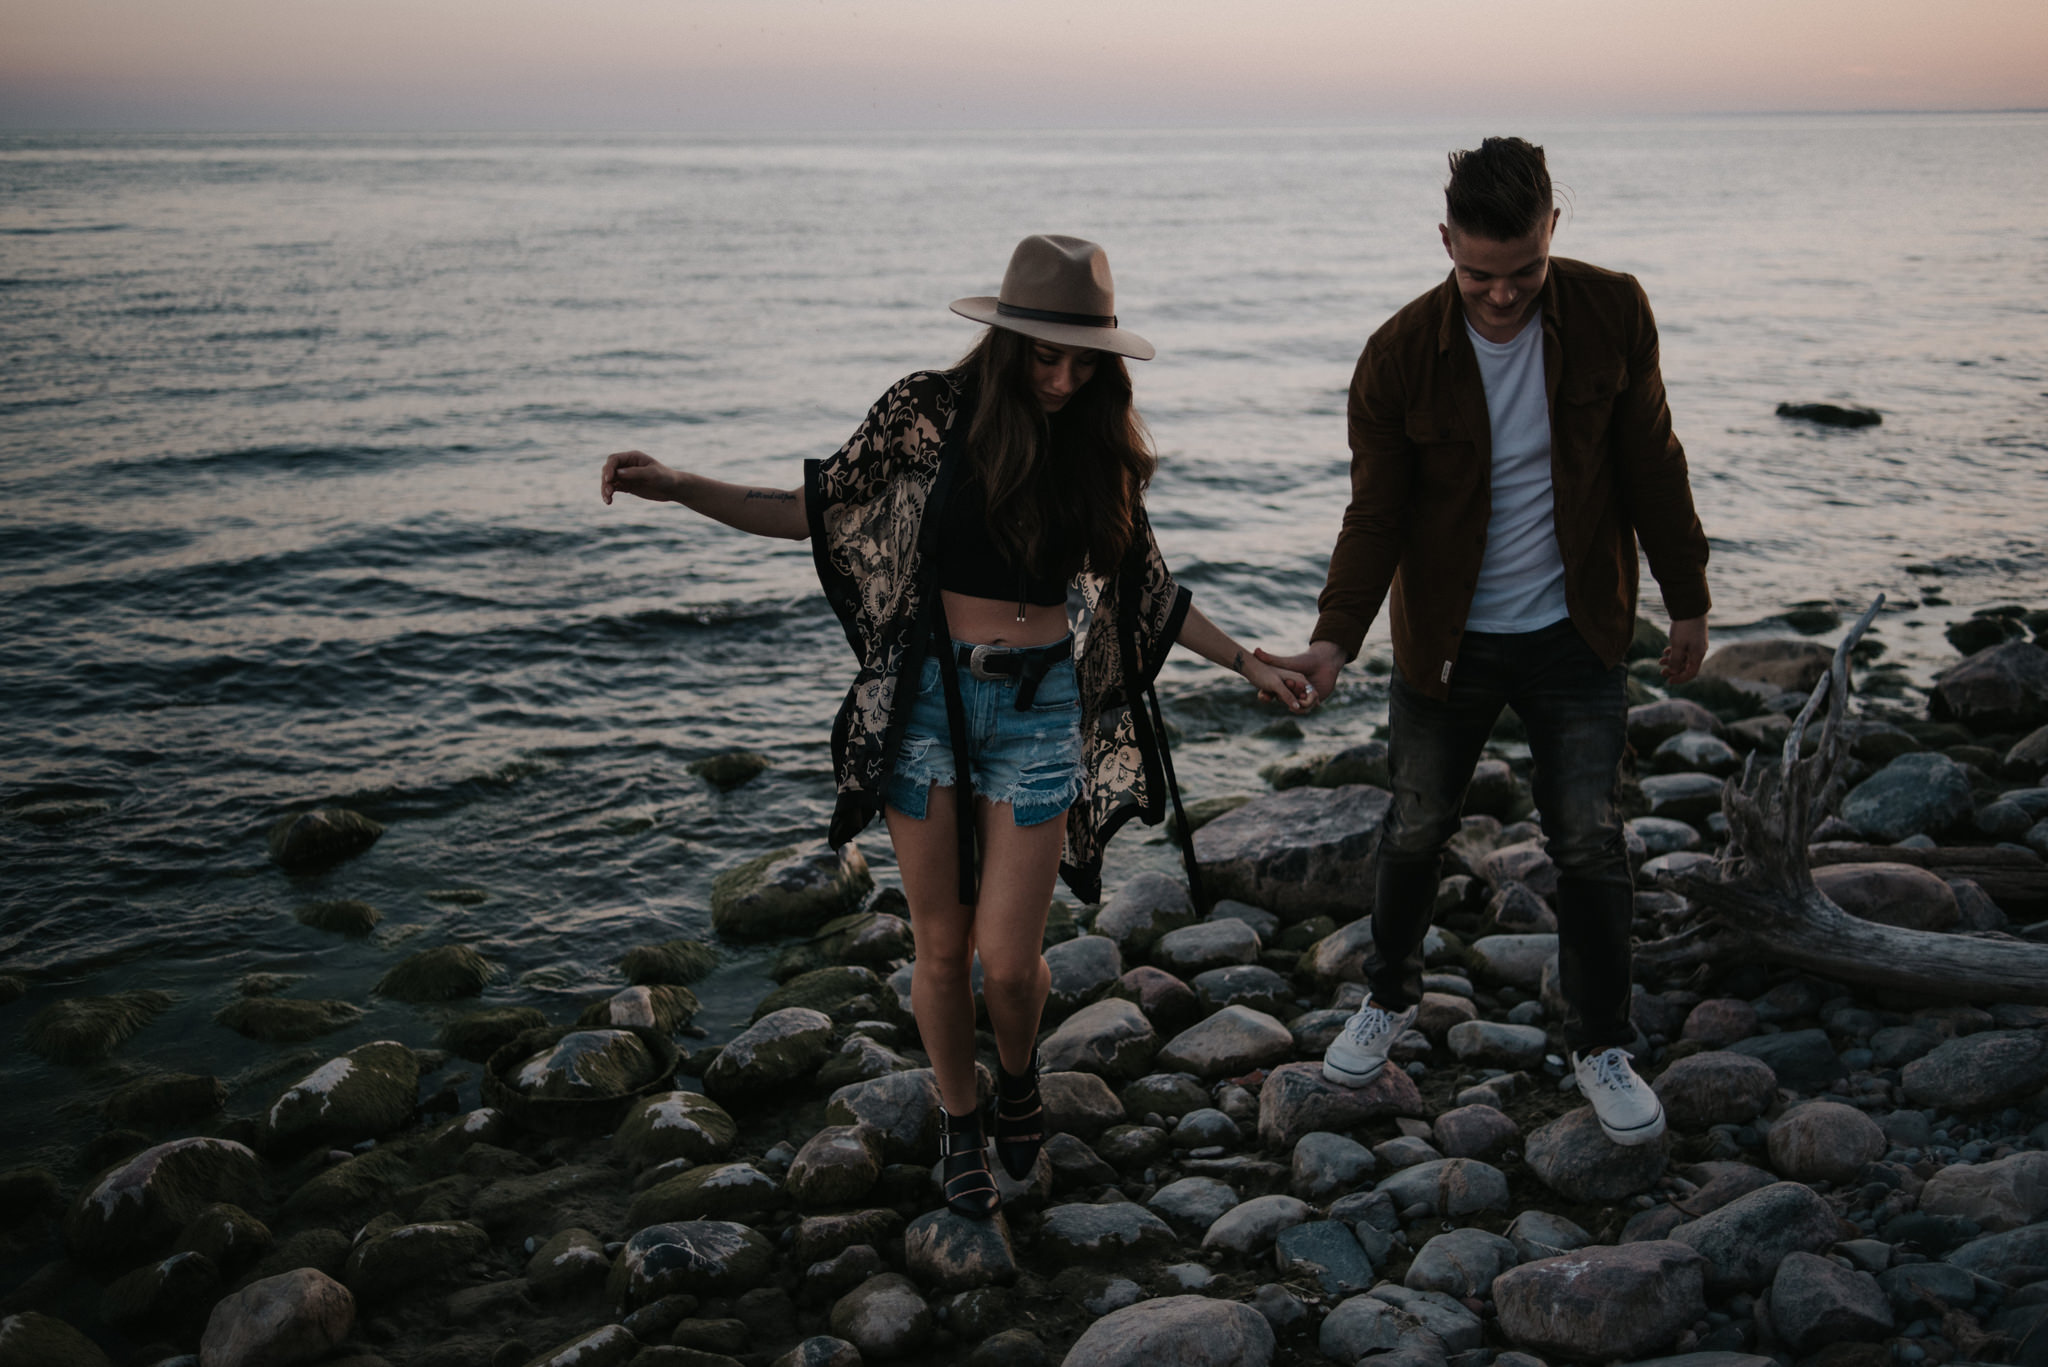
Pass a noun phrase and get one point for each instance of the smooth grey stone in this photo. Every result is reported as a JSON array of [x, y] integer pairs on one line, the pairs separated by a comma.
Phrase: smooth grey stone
[[1255, 1224], [1192, 1204], [1815, 1302], [1917, 794], [1199, 1129], [1803, 1060], [1604, 1303], [1450, 1187], [1082, 968], [1327, 1251], [1824, 1141], [1979, 1072], [1299, 853], [1326, 1164], [1110, 1233], [1745, 1240], [1187, 1331], [1205, 945], [1110, 1038], [1537, 1234], [2000, 1195], [1461, 1262], [1574, 1157]]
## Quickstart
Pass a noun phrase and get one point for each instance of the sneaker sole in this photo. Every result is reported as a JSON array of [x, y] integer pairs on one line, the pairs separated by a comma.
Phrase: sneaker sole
[[1642, 1134], [1344, 1077]]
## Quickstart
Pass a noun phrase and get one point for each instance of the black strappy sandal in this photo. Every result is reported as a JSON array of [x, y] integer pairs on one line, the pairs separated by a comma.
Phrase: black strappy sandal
[[969, 1186], [1020, 1119]]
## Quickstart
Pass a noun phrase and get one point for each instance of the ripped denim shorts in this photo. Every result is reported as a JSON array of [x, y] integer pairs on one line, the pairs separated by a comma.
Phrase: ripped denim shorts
[[1029, 759]]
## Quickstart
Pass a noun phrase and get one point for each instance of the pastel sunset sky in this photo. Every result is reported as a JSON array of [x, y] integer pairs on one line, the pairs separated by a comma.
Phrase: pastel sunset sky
[[658, 65]]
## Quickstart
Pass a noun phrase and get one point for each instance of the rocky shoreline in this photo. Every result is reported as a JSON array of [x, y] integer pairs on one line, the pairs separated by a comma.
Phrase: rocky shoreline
[[1851, 1177]]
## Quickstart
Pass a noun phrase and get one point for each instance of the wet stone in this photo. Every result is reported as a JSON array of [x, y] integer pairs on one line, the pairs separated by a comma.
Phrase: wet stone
[[884, 1317], [1082, 968], [165, 1099], [1110, 1037], [836, 1166], [161, 1297], [1252, 986], [662, 1007], [1683, 797], [828, 989], [774, 1052], [570, 1262], [1505, 1046], [84, 1030], [1517, 960], [141, 1204], [1078, 1104], [1169, 1003], [286, 1020], [1170, 1095], [1143, 910], [1208, 944], [1111, 1233], [1299, 853], [477, 1035], [343, 917], [701, 1257], [789, 891], [587, 1065], [321, 838], [292, 1317], [953, 1253], [674, 1125], [410, 1256], [677, 962], [820, 1350], [1916, 794], [714, 1190], [1192, 1204], [437, 975]]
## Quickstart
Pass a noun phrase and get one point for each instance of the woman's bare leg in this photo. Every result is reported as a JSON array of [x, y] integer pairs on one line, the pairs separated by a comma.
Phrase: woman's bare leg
[[941, 992], [1019, 866]]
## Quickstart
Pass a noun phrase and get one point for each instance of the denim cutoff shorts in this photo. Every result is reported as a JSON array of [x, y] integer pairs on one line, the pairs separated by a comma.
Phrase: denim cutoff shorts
[[1029, 759]]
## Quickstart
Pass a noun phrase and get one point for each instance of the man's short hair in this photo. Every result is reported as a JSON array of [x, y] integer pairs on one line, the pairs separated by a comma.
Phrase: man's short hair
[[1499, 190]]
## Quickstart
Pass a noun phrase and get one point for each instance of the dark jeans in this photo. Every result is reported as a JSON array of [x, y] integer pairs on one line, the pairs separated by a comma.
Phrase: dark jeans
[[1575, 711]]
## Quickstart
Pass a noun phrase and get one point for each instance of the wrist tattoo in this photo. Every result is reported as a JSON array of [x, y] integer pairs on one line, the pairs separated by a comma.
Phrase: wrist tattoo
[[771, 495], [1237, 660]]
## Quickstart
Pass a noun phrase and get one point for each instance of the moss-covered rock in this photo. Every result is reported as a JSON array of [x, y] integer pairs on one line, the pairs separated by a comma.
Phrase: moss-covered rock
[[410, 1256], [438, 975], [369, 1091], [479, 1034], [168, 1296], [777, 1050], [586, 1065], [225, 1233], [823, 989], [872, 939], [25, 1193], [355, 1189], [165, 1099], [699, 1257], [137, 1207], [321, 838], [715, 1190], [675, 1125], [87, 1029], [32, 1339], [344, 917], [323, 1250], [265, 984], [13, 987], [788, 892], [663, 1007], [679, 962], [286, 1020], [731, 769], [59, 811], [460, 897]]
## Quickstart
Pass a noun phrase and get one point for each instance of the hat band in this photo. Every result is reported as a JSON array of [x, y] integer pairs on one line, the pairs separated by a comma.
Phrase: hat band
[[1086, 320]]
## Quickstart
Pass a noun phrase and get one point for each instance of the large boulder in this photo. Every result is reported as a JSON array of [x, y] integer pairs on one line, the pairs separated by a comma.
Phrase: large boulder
[[700, 1257], [1890, 894], [287, 1020], [902, 1109], [139, 1205], [1187, 1331], [1745, 1240], [1235, 1040], [1143, 910], [2004, 688], [1780, 664], [1300, 853], [789, 891], [318, 839], [1597, 1304], [440, 974], [954, 1253], [1824, 1141], [1716, 1087], [1082, 969], [369, 1091], [1110, 1037], [1918, 794], [672, 1125], [1815, 1302], [777, 1050], [1297, 1100], [278, 1321], [84, 1030], [1574, 1157], [1999, 1195], [1979, 1072]]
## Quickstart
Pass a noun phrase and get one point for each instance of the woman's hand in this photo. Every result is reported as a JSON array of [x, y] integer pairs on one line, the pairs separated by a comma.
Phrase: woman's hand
[[1285, 685], [638, 474]]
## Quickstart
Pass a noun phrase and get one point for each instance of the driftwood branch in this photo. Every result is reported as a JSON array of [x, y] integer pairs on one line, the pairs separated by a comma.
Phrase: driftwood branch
[[1758, 901]]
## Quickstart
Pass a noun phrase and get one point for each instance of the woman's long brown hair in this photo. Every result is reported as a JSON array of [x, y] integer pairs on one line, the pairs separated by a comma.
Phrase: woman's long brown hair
[[1065, 487]]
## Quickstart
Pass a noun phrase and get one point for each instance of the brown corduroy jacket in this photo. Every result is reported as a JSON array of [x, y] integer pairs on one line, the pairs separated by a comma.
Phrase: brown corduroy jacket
[[1422, 463]]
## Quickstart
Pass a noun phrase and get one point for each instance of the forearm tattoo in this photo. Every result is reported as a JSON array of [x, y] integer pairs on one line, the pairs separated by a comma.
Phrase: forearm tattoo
[[1237, 660], [772, 495]]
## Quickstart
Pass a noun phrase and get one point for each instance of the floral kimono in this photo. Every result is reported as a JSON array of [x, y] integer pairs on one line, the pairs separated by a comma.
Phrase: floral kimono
[[871, 508]]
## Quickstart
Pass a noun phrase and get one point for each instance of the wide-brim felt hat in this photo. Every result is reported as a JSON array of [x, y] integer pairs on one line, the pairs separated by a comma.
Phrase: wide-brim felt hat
[[1058, 290]]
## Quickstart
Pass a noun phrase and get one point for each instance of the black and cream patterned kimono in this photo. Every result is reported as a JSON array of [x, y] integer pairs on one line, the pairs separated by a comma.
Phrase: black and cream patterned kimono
[[871, 507]]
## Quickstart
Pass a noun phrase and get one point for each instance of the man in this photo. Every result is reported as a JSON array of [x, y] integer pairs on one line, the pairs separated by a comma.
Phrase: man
[[1510, 445]]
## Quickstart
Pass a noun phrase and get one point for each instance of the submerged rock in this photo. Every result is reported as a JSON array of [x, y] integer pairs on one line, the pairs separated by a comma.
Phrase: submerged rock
[[345, 917], [662, 1007], [729, 769], [1832, 414], [437, 975], [789, 891], [286, 1020], [165, 1099], [318, 839], [87, 1029], [677, 962], [479, 1034]]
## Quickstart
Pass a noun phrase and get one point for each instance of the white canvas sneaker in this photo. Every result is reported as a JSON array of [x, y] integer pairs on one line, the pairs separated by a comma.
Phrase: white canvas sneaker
[[1628, 1111], [1358, 1053]]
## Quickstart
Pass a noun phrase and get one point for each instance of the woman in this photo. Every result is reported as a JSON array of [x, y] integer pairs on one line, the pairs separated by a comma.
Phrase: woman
[[949, 532]]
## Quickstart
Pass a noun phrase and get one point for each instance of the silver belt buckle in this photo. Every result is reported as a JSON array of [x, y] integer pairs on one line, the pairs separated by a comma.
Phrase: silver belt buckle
[[977, 663]]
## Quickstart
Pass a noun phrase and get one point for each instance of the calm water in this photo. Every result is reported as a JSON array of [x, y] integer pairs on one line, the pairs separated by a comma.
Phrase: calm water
[[299, 442]]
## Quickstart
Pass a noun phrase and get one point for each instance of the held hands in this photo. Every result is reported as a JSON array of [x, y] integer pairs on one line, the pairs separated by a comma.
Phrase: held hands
[[1283, 685], [636, 473], [1317, 668], [1682, 659]]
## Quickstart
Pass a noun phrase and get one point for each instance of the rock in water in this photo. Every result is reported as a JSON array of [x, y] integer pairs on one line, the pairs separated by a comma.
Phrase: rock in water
[[479, 1034], [956, 1254], [679, 962], [730, 769], [345, 917], [587, 1065], [663, 1007], [318, 839], [1300, 853], [700, 1257], [366, 1092], [437, 975], [1186, 1331], [672, 1125], [87, 1029], [32, 1339], [780, 1048], [2004, 688], [1596, 1304], [1575, 1158], [1831, 414], [788, 892], [1745, 1240], [165, 1099], [139, 1206], [286, 1020]]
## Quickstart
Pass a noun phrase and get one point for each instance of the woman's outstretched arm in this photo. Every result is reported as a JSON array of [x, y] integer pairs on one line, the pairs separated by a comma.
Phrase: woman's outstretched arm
[[1209, 641], [764, 512]]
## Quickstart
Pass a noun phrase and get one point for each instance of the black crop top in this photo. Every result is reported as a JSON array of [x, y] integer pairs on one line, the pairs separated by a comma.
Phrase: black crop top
[[971, 562]]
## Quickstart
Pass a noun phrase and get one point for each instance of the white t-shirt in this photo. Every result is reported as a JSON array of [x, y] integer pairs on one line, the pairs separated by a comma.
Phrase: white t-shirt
[[1521, 579]]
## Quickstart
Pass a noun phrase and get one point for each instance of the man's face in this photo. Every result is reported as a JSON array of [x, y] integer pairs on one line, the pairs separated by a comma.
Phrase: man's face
[[1500, 280]]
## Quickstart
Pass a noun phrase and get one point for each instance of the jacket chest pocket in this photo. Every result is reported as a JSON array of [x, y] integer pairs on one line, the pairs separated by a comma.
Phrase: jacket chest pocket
[[1445, 454], [1585, 402]]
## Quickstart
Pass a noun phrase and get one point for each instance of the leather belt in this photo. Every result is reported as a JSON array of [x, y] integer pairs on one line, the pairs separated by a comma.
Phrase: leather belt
[[1028, 665]]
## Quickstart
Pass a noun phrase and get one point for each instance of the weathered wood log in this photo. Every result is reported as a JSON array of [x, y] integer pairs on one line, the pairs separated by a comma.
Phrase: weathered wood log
[[2015, 879], [1758, 901]]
